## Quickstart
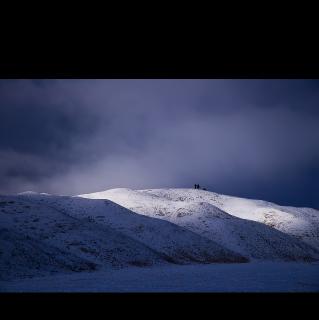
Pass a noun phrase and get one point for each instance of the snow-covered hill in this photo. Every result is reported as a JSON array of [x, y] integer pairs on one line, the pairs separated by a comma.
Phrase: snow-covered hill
[[255, 229], [302, 223], [44, 234]]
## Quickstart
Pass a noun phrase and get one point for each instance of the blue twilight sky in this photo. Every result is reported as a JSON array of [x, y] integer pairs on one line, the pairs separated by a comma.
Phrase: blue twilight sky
[[250, 138]]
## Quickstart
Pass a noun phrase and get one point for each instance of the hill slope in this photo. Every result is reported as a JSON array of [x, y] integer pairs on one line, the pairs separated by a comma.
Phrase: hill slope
[[43, 234], [301, 223], [200, 211]]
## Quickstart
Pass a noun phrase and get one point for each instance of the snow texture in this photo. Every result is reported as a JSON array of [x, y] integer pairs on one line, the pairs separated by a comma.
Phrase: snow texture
[[255, 229], [90, 234], [174, 239]]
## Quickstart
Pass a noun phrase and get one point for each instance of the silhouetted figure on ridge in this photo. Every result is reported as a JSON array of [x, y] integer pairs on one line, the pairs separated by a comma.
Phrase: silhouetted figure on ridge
[[197, 186]]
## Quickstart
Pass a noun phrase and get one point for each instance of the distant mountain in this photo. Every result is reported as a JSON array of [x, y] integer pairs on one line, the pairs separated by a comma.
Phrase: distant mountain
[[253, 228], [42, 234]]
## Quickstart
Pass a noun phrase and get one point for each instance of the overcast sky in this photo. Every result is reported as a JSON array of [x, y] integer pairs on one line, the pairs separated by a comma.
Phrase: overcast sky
[[250, 138]]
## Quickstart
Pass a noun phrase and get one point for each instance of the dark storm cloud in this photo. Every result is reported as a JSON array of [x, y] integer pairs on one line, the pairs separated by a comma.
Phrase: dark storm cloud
[[253, 138]]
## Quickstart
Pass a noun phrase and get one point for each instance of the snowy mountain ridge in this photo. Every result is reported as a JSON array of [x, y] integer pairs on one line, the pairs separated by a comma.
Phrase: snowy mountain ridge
[[43, 234], [233, 215]]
